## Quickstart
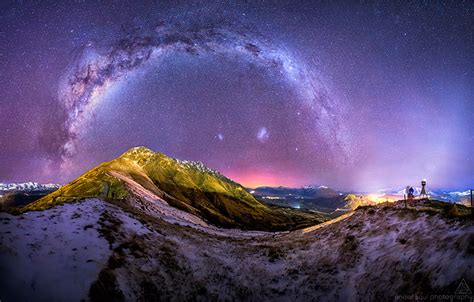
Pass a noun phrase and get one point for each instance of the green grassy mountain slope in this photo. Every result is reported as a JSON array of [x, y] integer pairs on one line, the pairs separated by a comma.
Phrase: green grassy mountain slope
[[189, 186]]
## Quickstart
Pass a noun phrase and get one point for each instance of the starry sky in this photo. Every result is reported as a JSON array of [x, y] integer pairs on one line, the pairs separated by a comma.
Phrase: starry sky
[[354, 96]]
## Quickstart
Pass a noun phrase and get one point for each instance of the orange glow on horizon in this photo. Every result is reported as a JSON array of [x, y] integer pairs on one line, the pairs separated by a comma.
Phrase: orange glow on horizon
[[260, 179]]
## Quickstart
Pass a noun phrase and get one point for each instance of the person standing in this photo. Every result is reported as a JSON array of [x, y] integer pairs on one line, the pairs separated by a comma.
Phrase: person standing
[[411, 194]]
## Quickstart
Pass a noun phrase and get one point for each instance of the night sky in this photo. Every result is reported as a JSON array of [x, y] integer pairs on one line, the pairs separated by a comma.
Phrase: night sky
[[353, 96]]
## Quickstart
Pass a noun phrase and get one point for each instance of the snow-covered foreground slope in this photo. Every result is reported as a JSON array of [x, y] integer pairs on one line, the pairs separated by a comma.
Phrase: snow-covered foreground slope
[[54, 254], [142, 251]]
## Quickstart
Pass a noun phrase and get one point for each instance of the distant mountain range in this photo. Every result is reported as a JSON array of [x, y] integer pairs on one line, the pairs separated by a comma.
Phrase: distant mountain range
[[27, 187], [316, 198], [305, 192], [19, 194]]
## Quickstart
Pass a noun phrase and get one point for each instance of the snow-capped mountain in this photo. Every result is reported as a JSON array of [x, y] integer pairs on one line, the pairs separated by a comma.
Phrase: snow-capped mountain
[[27, 187], [201, 167], [315, 187]]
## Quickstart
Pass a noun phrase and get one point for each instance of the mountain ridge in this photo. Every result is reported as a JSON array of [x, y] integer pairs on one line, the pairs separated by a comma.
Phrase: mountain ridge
[[186, 185]]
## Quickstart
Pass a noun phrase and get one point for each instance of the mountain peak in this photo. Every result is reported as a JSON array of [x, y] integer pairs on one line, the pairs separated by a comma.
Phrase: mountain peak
[[140, 155], [143, 155], [190, 186], [140, 150]]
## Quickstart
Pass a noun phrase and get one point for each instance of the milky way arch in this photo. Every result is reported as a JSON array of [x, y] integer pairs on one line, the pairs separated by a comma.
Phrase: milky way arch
[[95, 70]]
